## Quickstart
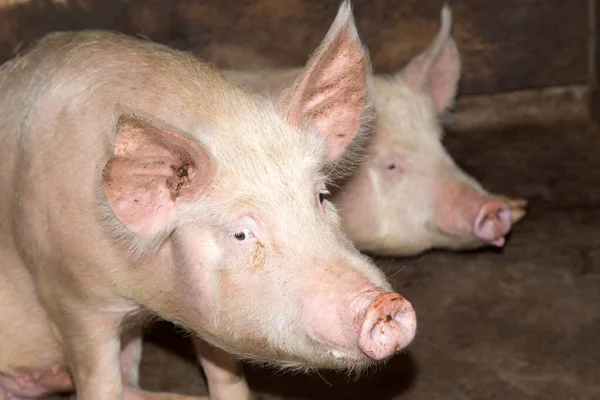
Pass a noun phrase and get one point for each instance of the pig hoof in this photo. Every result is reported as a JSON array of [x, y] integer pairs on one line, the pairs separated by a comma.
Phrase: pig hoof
[[390, 324]]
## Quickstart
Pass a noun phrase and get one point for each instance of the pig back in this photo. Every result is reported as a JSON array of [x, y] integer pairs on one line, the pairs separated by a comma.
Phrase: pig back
[[59, 104], [267, 81]]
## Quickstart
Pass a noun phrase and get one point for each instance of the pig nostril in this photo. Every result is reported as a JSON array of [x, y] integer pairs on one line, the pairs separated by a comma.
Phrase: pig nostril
[[504, 214], [489, 217], [499, 214], [493, 223]]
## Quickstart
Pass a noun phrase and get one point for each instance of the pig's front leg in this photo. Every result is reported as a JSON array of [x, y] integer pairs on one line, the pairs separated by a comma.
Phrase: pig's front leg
[[92, 345], [131, 355], [138, 394], [224, 374]]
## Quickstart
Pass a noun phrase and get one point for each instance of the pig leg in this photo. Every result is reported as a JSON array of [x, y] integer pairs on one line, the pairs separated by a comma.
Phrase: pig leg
[[131, 393], [131, 356], [90, 336], [93, 352], [130, 361], [138, 394], [224, 374]]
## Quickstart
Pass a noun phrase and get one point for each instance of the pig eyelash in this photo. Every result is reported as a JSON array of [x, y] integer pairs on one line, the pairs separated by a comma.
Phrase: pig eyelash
[[244, 234]]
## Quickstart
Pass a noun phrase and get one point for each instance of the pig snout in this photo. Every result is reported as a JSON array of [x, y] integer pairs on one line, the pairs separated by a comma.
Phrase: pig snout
[[469, 214], [390, 324], [493, 222]]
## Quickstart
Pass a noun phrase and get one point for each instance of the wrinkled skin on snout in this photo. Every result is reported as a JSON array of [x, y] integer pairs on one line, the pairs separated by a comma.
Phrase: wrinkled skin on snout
[[136, 179], [408, 195]]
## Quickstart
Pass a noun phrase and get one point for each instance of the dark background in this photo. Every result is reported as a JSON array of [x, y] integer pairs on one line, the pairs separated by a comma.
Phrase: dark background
[[506, 45]]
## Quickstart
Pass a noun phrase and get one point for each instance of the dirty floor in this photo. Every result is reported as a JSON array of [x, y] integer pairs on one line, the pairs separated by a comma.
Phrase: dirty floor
[[517, 323]]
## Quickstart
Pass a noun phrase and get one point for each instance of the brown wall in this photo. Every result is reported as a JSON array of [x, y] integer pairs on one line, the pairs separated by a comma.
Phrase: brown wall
[[506, 44]]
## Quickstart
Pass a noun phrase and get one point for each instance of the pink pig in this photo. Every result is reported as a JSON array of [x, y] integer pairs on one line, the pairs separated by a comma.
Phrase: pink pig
[[138, 181], [408, 195]]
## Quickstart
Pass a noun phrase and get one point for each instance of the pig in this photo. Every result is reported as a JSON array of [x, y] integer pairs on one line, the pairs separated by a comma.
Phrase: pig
[[138, 181], [408, 195]]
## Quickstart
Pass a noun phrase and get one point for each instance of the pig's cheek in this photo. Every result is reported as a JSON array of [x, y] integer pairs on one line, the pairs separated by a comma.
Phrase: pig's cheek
[[379, 186], [243, 261], [246, 260], [234, 288], [201, 263], [330, 212]]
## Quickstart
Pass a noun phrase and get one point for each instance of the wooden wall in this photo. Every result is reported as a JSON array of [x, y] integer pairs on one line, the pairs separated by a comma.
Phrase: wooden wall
[[506, 45]]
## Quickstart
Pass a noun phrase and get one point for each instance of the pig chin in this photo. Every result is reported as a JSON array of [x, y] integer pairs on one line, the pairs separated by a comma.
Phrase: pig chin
[[300, 353], [313, 355], [317, 356]]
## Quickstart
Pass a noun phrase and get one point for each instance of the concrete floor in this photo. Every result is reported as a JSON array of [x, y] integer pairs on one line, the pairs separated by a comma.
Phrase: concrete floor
[[517, 323]]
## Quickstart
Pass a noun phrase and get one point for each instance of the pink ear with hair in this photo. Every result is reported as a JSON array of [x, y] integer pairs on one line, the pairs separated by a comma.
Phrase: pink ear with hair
[[332, 95], [151, 171], [436, 70]]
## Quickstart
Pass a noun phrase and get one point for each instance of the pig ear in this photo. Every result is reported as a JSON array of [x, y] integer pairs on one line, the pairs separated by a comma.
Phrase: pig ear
[[152, 169], [332, 94], [437, 69]]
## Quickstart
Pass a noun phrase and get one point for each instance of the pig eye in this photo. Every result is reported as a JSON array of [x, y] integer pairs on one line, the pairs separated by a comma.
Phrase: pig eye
[[321, 196], [391, 166], [244, 234]]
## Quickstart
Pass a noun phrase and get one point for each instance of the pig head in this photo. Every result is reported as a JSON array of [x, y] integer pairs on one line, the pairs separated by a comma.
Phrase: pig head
[[410, 196], [139, 180], [407, 195]]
